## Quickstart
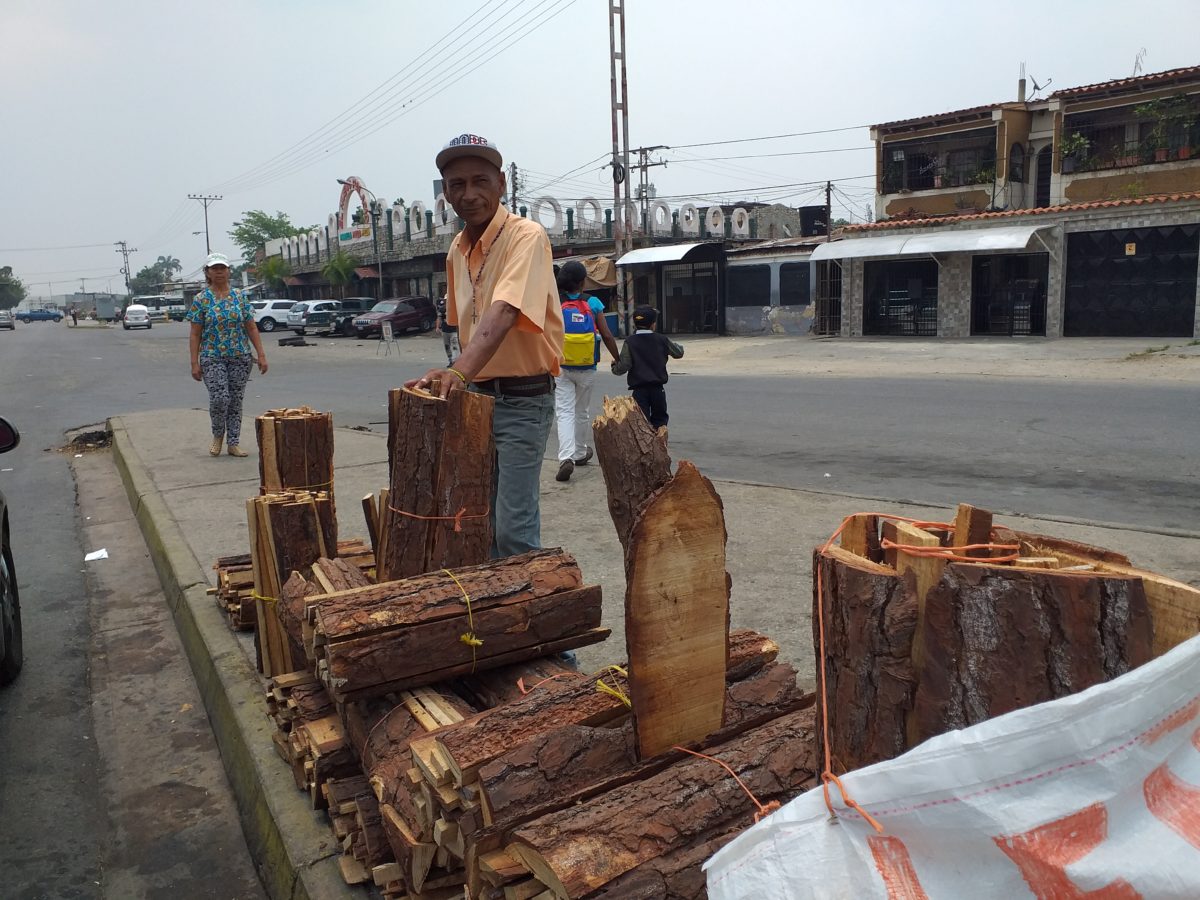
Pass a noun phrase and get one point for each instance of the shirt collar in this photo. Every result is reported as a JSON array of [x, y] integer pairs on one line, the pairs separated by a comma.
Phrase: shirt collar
[[644, 331], [489, 233]]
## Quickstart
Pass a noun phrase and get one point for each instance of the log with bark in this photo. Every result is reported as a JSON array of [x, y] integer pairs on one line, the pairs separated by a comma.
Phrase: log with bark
[[929, 644], [633, 458], [688, 803], [441, 459], [295, 450], [405, 634]]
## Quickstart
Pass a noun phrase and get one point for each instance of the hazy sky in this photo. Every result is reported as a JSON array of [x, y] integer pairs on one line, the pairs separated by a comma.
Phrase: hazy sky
[[113, 112]]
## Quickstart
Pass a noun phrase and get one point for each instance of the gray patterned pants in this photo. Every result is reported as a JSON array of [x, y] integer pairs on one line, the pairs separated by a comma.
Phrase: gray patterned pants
[[225, 378]]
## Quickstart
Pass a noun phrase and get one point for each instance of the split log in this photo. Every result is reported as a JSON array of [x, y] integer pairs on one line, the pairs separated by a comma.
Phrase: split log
[[870, 619], [1000, 638], [861, 537], [441, 459], [677, 875], [633, 458], [972, 526], [360, 612], [687, 803], [487, 690], [404, 656], [1174, 606], [295, 450], [677, 613], [570, 765]]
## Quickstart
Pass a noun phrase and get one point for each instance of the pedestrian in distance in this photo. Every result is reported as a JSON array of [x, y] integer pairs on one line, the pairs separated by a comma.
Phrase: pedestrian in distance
[[501, 294], [449, 333], [222, 335], [584, 327], [644, 357]]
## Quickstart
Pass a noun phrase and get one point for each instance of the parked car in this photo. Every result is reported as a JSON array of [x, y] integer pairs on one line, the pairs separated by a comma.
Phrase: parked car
[[39, 315], [11, 654], [314, 314], [269, 313], [349, 309], [136, 316], [405, 314], [176, 312], [7, 320]]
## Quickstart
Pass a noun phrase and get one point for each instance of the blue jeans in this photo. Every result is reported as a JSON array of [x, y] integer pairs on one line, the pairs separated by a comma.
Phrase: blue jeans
[[520, 426]]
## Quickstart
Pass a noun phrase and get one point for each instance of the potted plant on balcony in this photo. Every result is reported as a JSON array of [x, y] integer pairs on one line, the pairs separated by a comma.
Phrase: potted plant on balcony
[[985, 175], [1073, 149]]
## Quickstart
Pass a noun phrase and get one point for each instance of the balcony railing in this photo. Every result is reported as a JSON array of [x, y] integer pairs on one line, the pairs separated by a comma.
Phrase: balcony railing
[[1158, 131]]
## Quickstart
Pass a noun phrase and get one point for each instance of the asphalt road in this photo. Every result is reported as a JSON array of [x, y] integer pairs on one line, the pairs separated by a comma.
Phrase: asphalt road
[[1120, 452]]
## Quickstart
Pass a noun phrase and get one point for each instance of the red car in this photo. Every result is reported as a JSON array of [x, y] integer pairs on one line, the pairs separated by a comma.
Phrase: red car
[[405, 314]]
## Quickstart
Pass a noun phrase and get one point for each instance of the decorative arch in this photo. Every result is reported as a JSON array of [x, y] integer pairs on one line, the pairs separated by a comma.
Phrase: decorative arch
[[353, 185], [714, 221], [582, 222], [443, 216], [689, 219], [535, 210], [416, 217], [740, 220], [659, 214]]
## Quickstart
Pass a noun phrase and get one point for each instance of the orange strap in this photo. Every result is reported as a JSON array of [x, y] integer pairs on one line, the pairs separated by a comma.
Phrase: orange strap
[[763, 811], [457, 518], [947, 553], [524, 690]]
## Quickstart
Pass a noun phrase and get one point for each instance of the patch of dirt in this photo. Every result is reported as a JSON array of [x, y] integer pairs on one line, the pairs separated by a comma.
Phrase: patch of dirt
[[86, 441]]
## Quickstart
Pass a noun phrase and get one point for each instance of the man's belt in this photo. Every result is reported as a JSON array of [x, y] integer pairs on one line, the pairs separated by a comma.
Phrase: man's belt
[[516, 386]]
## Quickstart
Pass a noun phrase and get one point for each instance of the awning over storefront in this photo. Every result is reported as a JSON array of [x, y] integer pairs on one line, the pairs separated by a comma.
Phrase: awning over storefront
[[666, 253], [367, 272], [974, 240]]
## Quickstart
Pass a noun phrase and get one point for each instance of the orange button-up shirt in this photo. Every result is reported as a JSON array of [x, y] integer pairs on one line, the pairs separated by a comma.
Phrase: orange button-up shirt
[[515, 258]]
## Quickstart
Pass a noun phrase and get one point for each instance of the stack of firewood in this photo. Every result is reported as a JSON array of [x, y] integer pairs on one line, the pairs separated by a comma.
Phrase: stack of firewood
[[234, 592]]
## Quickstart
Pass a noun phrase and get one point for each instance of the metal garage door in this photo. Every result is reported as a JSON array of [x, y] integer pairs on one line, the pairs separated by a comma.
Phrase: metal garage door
[[1139, 282]]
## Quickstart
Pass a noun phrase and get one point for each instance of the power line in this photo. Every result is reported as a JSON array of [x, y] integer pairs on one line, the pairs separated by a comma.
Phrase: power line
[[40, 249], [428, 86], [791, 153], [769, 137]]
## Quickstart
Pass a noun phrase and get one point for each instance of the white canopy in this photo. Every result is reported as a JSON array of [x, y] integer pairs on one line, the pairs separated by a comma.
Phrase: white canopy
[[665, 253], [974, 240]]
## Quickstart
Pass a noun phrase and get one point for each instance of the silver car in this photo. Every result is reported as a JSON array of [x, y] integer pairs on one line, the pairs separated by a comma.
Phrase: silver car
[[136, 316], [7, 320]]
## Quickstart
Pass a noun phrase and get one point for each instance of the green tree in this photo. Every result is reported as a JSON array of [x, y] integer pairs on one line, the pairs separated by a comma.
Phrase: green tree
[[168, 265], [339, 270], [12, 291], [258, 227], [272, 271], [151, 279]]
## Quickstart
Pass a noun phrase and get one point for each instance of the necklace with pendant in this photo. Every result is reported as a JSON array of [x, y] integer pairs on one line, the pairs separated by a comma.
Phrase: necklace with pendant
[[475, 282]]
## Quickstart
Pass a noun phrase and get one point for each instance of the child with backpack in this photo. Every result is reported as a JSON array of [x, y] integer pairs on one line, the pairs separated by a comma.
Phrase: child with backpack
[[644, 357], [584, 327]]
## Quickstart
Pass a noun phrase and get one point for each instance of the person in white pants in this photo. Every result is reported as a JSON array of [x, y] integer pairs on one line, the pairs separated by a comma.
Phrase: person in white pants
[[573, 389]]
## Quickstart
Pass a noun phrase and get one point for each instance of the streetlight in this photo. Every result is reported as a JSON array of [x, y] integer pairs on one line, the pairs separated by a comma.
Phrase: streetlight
[[376, 212]]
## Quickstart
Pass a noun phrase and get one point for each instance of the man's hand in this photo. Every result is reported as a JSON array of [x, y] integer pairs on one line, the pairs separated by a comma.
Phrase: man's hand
[[439, 382], [196, 373]]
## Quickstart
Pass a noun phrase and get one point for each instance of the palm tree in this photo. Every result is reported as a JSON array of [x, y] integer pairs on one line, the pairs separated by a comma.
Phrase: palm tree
[[339, 270], [272, 271], [168, 265]]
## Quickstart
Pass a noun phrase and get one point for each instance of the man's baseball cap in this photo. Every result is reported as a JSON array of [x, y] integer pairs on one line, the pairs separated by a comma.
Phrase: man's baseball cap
[[217, 259], [469, 145]]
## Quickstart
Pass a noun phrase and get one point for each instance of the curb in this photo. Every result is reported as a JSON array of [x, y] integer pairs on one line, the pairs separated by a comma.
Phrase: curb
[[296, 857]]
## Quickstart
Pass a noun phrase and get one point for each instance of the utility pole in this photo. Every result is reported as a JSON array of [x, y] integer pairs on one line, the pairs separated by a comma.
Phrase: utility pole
[[622, 236], [828, 209], [512, 187], [205, 200], [643, 193], [125, 250]]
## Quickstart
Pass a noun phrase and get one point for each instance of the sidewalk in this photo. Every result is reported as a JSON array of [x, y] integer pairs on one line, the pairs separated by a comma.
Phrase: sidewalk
[[191, 508]]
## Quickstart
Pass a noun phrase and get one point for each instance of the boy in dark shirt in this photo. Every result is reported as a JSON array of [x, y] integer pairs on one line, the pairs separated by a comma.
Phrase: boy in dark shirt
[[644, 357]]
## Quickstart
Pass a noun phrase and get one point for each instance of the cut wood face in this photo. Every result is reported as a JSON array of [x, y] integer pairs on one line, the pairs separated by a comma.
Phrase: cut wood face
[[677, 613]]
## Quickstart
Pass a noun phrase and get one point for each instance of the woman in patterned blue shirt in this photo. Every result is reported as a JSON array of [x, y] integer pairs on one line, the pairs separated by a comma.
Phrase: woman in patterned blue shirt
[[223, 332]]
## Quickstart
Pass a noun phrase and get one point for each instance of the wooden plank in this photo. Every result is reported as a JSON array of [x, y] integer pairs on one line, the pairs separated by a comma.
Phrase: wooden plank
[[861, 537], [677, 613], [926, 572], [633, 458], [371, 514], [972, 526]]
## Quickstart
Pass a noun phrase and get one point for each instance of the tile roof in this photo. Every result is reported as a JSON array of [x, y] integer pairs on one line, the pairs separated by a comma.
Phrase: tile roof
[[1123, 83], [1016, 213], [952, 114]]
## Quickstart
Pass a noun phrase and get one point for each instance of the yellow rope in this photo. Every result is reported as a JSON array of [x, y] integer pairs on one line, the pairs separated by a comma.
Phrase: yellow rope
[[612, 690], [467, 637], [264, 599]]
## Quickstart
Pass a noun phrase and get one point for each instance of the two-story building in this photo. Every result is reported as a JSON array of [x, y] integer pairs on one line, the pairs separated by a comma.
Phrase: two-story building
[[1077, 214]]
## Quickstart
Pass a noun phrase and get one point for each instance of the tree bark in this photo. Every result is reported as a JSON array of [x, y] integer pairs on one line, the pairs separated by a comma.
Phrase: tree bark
[[360, 612], [689, 802], [295, 450], [1000, 638], [425, 651], [870, 618], [572, 764], [633, 458], [441, 459], [677, 613]]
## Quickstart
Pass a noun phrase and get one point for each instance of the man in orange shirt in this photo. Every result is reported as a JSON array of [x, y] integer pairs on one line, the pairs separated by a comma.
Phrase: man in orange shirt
[[501, 294]]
